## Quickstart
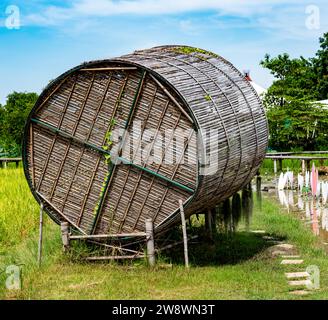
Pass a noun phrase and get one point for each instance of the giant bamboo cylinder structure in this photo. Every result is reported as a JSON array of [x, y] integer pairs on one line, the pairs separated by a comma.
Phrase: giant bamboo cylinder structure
[[197, 129]]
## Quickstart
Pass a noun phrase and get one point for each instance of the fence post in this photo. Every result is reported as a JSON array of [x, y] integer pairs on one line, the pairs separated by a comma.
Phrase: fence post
[[308, 165], [184, 232], [213, 216], [150, 242], [275, 166], [280, 165], [258, 183], [209, 222], [40, 236], [64, 227], [303, 167]]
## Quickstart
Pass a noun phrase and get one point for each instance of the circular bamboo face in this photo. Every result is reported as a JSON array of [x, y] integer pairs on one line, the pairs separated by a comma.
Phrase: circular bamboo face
[[108, 146]]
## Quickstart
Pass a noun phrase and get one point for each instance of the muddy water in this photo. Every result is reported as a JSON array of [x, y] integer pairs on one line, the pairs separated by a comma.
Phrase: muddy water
[[312, 211]]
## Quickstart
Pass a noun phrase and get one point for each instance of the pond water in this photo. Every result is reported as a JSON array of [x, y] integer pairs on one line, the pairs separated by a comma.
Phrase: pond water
[[310, 210]]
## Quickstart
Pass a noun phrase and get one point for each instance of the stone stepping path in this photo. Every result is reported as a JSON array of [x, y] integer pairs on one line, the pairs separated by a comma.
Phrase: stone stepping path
[[258, 231], [300, 292], [269, 238], [296, 280], [296, 261], [278, 253], [285, 246], [292, 275], [300, 282]]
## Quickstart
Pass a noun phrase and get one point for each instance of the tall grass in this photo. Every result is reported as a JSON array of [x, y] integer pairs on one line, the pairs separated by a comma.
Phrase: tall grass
[[19, 222], [18, 209]]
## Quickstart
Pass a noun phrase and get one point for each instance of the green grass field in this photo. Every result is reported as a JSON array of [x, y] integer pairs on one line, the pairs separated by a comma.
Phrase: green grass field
[[233, 267], [291, 164]]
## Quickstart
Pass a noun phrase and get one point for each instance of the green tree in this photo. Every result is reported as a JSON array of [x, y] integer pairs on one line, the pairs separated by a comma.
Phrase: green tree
[[300, 78], [320, 66], [295, 121], [13, 116], [295, 77], [298, 125]]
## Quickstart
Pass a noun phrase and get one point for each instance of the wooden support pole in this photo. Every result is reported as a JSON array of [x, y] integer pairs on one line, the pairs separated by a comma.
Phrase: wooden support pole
[[308, 165], [209, 222], [108, 236], [280, 165], [184, 232], [213, 216], [40, 236], [275, 166], [303, 167], [64, 227], [150, 242], [258, 183], [206, 221]]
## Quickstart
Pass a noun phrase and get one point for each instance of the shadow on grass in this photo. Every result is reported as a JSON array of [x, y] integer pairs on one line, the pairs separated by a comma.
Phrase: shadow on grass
[[223, 249]]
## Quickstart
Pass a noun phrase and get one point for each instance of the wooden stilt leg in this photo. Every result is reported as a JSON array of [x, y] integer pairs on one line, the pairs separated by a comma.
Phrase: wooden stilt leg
[[209, 221], [213, 215], [150, 242], [280, 165], [308, 163], [40, 236], [258, 183], [303, 167], [184, 231], [64, 226]]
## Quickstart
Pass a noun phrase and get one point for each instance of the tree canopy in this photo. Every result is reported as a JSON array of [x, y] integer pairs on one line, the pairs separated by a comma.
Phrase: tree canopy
[[296, 122], [13, 116]]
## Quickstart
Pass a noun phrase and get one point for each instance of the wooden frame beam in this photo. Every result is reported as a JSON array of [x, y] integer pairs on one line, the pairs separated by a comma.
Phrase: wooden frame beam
[[120, 159], [106, 236], [59, 212]]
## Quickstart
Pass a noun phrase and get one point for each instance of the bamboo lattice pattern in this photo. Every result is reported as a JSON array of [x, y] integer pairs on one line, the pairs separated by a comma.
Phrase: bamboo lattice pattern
[[146, 95]]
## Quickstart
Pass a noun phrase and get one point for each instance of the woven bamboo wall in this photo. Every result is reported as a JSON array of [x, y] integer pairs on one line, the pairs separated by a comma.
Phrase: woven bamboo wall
[[160, 89]]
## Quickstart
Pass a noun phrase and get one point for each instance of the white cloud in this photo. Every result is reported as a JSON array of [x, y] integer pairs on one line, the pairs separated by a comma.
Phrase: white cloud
[[144, 7], [285, 18], [99, 8]]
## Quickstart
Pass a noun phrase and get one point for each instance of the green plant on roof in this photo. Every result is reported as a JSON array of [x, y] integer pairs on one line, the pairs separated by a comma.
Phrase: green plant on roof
[[208, 97], [191, 50]]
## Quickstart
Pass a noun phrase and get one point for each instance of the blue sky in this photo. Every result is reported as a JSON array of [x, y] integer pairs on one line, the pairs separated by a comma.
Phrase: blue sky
[[56, 35]]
